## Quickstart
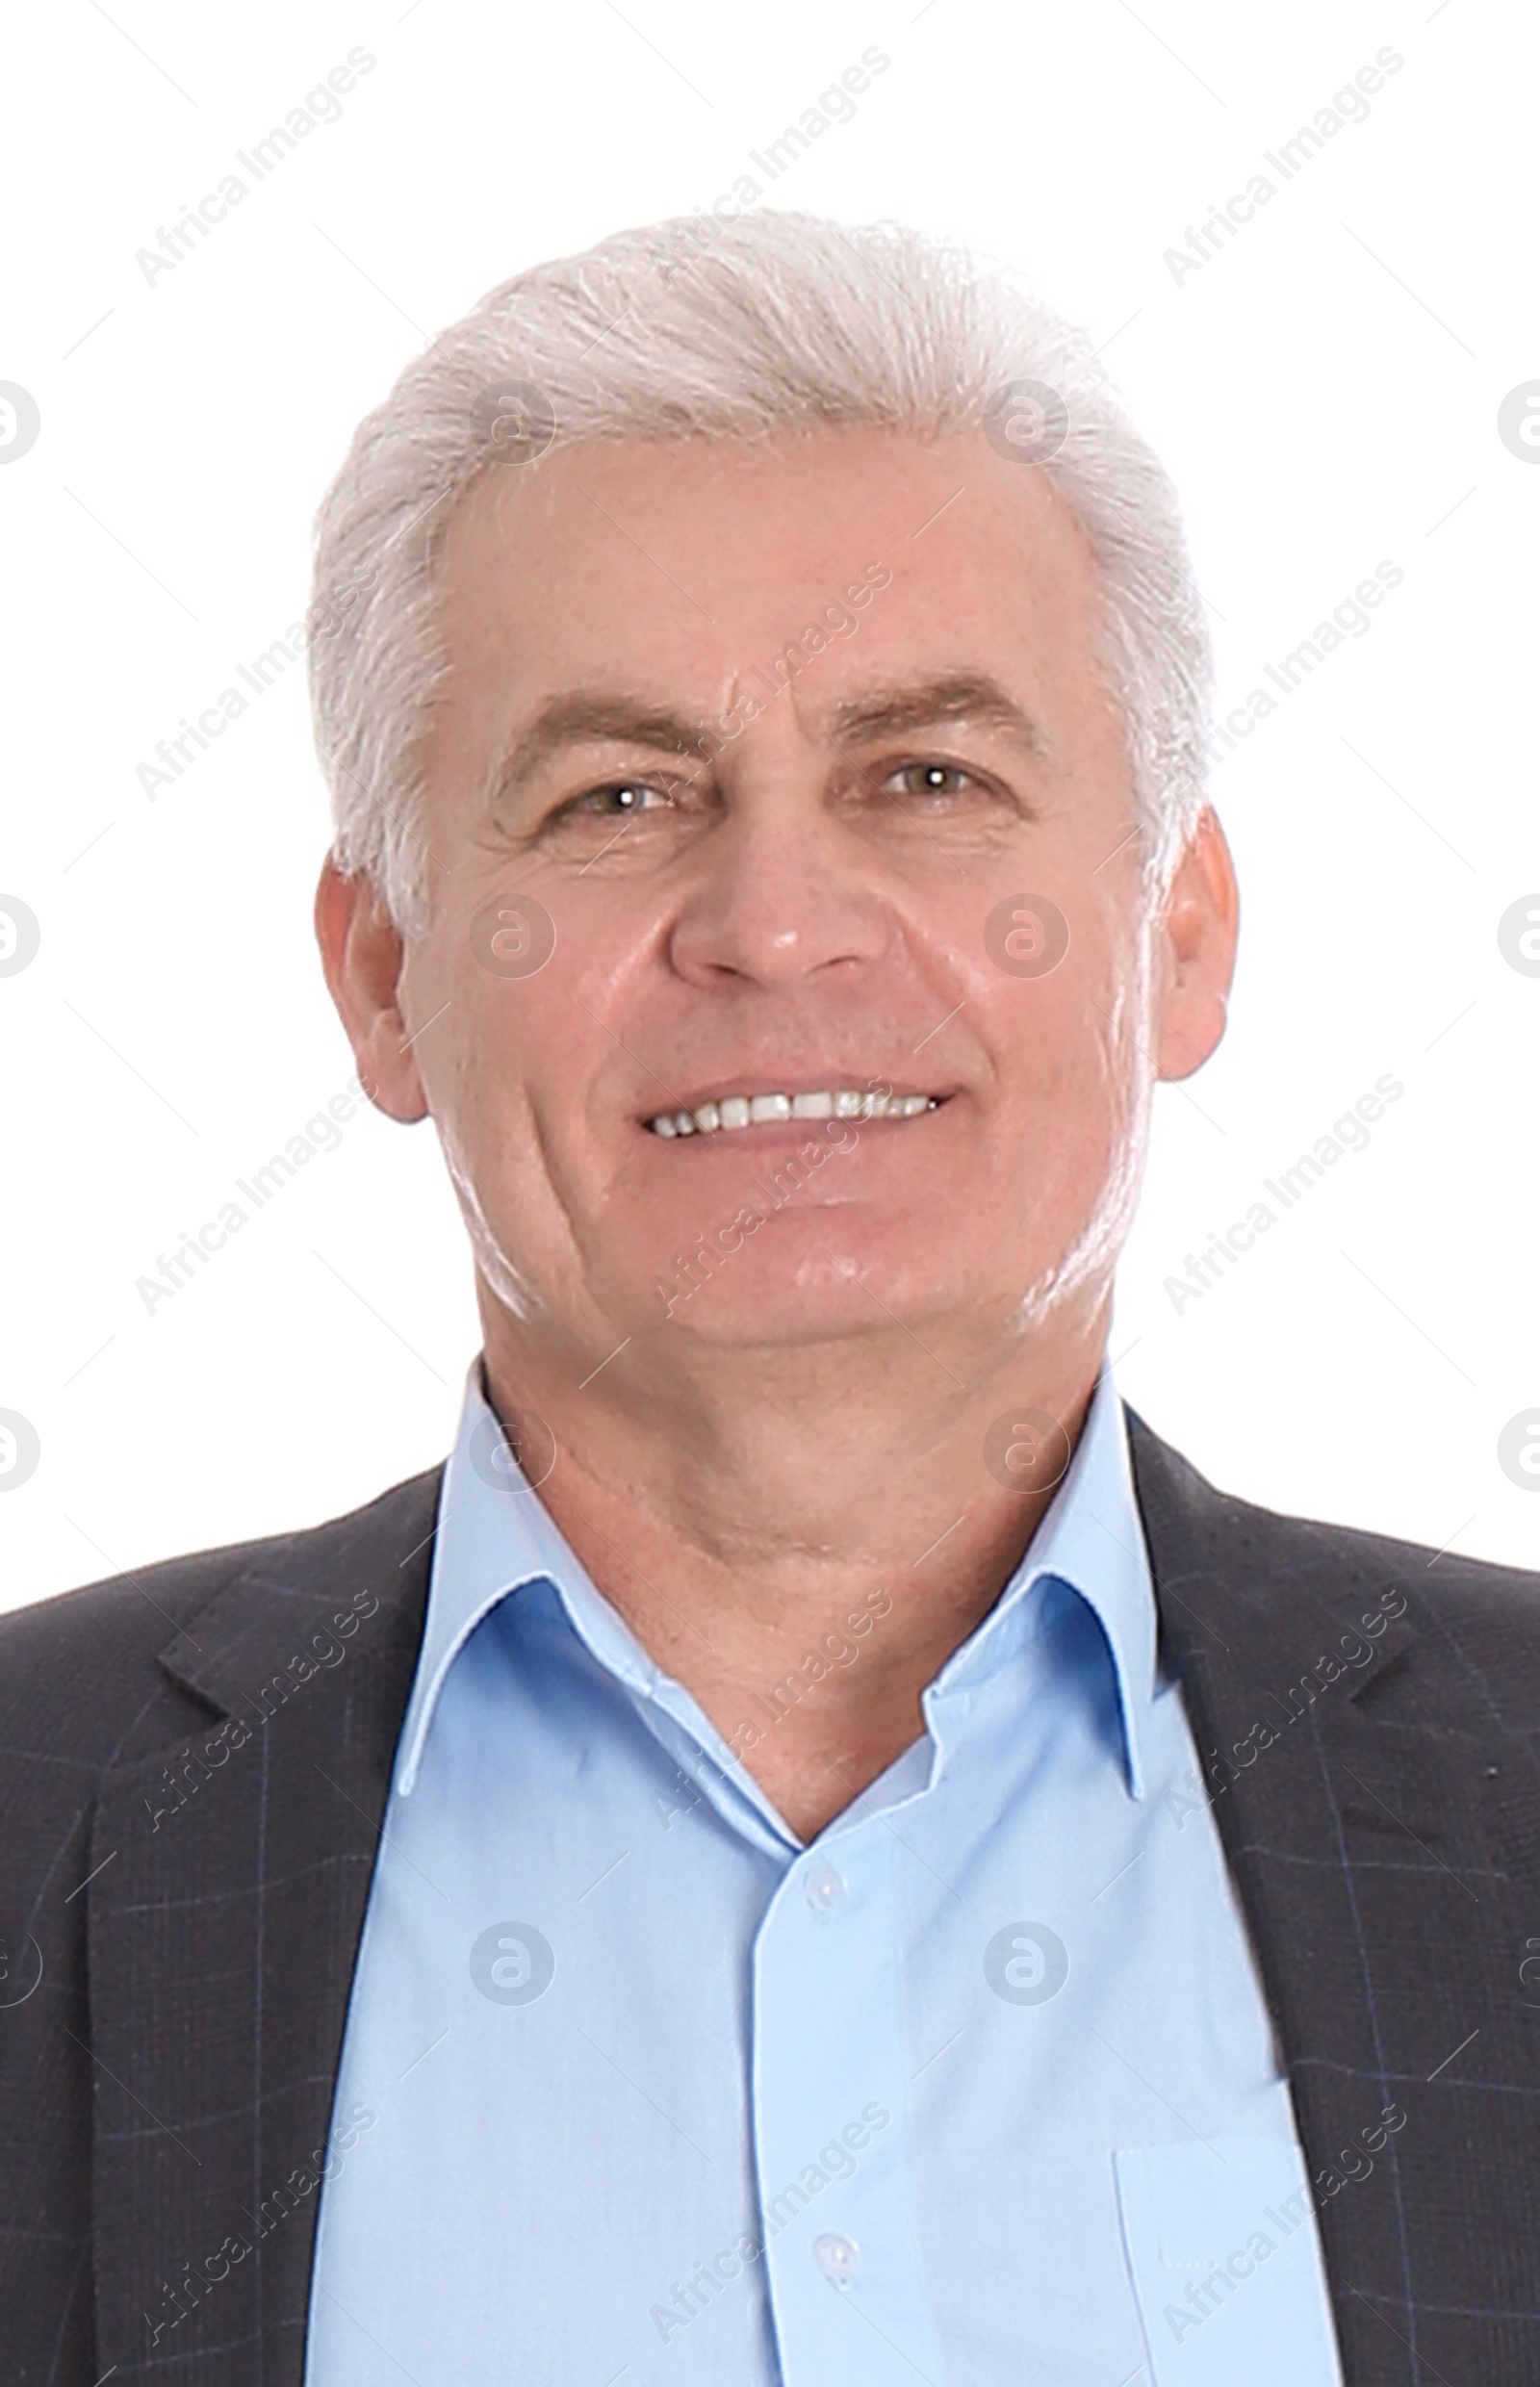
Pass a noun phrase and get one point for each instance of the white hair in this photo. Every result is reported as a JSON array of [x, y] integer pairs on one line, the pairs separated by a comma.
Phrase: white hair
[[762, 326]]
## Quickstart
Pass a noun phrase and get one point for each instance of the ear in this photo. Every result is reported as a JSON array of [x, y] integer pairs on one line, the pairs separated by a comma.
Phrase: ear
[[362, 952], [1199, 929]]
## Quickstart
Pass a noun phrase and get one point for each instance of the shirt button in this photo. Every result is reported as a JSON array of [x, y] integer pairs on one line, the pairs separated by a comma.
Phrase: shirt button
[[823, 1889], [836, 2257]]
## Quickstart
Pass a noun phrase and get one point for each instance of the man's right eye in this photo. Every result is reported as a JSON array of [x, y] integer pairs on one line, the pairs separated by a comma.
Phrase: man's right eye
[[618, 803], [617, 799]]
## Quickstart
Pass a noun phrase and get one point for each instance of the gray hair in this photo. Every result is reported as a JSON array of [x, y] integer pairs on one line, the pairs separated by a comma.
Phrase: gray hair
[[767, 324]]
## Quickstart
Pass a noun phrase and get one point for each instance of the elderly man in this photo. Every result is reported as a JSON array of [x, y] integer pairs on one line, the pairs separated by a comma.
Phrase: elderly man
[[816, 1847]]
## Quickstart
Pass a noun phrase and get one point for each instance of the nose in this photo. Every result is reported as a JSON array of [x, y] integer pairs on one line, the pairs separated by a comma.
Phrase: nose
[[782, 893]]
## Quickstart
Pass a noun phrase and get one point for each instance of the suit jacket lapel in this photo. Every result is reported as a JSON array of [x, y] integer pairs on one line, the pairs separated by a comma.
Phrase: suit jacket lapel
[[235, 1845], [1373, 1840]]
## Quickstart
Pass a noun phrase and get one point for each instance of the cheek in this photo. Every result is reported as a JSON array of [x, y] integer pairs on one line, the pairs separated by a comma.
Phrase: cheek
[[1071, 1089], [538, 1090], [485, 1066], [1070, 1035]]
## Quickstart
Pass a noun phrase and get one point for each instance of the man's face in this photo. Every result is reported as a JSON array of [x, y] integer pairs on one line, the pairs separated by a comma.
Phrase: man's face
[[854, 886]]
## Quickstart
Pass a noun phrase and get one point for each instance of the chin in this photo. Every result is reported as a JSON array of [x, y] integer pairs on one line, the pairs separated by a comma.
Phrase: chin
[[805, 1280]]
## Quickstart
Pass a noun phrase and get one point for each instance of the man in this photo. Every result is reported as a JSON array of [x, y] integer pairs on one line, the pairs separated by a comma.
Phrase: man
[[819, 1847]]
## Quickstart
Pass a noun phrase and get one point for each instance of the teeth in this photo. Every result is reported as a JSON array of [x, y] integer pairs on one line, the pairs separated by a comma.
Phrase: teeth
[[746, 1110]]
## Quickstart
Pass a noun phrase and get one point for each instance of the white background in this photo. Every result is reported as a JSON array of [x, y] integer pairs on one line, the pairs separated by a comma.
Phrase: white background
[[1324, 392]]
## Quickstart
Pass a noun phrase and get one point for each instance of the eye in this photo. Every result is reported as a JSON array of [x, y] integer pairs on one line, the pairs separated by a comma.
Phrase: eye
[[619, 800], [931, 781]]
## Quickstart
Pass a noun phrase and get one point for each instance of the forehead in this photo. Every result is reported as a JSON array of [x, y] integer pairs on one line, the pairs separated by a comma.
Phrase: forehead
[[696, 557]]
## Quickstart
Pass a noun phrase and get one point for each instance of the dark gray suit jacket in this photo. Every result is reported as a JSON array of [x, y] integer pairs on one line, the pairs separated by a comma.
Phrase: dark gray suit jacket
[[191, 1801]]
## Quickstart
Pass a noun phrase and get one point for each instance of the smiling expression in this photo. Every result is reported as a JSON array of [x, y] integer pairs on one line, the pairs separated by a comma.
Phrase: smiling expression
[[784, 894]]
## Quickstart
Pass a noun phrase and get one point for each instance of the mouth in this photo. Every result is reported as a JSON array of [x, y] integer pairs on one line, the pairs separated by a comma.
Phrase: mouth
[[731, 1114]]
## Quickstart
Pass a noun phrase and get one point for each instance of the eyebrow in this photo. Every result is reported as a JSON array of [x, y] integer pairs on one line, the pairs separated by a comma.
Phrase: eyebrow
[[583, 716], [955, 696]]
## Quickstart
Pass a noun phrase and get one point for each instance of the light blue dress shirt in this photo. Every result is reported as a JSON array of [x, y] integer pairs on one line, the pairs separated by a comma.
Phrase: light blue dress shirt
[[977, 2086]]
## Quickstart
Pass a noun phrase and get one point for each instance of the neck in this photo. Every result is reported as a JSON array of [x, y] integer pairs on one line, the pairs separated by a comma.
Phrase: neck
[[815, 1513]]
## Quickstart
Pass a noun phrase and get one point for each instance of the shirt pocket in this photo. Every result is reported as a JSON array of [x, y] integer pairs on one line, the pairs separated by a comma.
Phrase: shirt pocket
[[1225, 2264]]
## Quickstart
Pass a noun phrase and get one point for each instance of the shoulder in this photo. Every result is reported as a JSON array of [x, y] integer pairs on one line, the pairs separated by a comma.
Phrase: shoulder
[[76, 1670], [1483, 1614]]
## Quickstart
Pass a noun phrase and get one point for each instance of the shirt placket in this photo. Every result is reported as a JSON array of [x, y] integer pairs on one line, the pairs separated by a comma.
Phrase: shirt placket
[[834, 2145]]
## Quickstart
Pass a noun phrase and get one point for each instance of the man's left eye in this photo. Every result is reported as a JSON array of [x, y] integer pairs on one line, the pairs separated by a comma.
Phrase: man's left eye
[[930, 779]]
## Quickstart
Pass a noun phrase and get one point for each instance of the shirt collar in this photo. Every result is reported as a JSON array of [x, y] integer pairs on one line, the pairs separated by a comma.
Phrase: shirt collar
[[496, 1534], [1093, 1539]]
